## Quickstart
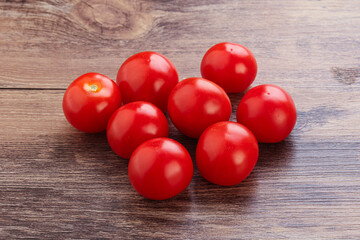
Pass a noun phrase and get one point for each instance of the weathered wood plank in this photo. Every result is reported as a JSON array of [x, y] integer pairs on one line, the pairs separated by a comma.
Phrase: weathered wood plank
[[49, 43]]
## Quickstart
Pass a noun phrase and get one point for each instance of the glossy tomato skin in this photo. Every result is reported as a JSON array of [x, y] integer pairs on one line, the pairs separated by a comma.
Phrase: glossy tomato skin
[[133, 124], [89, 102], [147, 76], [196, 103], [269, 112], [226, 153], [160, 168], [230, 65]]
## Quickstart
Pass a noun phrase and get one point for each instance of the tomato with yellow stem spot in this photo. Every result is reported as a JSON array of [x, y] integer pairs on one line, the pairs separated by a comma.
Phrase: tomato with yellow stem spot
[[89, 102]]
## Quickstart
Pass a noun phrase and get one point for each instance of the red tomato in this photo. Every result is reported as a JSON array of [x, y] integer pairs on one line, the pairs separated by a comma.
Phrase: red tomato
[[147, 76], [226, 153], [230, 65], [133, 124], [269, 112], [196, 103], [160, 168], [89, 102]]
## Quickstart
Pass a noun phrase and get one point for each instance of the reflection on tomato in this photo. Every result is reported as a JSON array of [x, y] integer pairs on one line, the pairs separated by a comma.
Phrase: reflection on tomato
[[89, 102], [269, 112], [160, 169], [196, 103], [133, 124], [147, 76], [226, 153]]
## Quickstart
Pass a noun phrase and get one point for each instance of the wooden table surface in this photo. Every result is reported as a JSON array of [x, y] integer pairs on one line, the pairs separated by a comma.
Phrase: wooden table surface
[[59, 183]]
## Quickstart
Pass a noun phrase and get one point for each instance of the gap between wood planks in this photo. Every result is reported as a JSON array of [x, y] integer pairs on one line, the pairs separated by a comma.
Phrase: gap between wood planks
[[33, 89]]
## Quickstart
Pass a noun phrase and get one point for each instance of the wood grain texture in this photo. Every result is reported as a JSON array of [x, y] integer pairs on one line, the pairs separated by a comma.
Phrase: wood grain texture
[[46, 44], [58, 183]]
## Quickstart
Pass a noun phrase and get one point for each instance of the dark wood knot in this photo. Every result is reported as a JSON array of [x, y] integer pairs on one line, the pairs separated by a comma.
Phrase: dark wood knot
[[120, 19], [346, 76]]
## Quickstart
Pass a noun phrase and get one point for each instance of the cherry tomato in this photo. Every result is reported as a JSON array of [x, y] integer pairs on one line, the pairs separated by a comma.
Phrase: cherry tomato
[[230, 65], [196, 103], [133, 124], [269, 112], [147, 76], [160, 168], [89, 102], [226, 153]]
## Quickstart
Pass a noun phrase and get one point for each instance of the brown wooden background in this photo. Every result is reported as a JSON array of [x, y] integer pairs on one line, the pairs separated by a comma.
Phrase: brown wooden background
[[58, 183]]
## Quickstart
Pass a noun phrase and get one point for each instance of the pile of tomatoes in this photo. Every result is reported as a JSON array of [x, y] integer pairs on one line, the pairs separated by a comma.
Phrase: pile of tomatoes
[[147, 84]]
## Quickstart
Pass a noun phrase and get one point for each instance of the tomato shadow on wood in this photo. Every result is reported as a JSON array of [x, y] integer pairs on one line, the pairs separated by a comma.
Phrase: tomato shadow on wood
[[158, 215], [187, 142], [235, 99], [240, 195], [90, 155], [274, 157]]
